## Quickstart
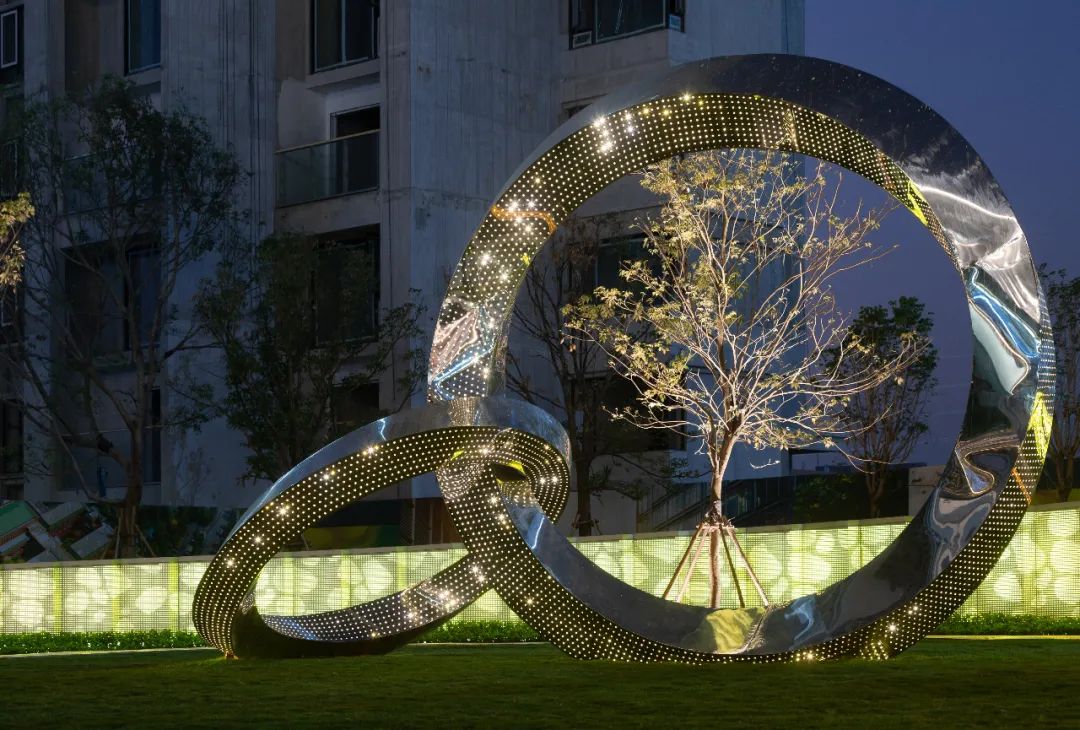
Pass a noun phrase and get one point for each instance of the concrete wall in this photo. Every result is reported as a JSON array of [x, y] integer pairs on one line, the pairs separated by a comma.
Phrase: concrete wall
[[466, 91]]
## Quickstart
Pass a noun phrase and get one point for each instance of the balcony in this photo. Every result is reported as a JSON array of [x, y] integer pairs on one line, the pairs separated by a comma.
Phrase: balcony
[[328, 169]]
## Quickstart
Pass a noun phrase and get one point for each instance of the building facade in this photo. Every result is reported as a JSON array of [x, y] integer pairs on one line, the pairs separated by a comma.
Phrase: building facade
[[391, 125]]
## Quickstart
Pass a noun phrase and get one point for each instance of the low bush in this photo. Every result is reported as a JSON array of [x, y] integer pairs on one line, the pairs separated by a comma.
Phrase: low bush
[[40, 642], [479, 632], [1009, 624]]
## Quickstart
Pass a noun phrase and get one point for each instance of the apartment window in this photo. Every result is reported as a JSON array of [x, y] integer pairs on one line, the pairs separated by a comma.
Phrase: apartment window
[[95, 318], [628, 438], [143, 34], [615, 253], [356, 164], [9, 307], [151, 440], [11, 427], [595, 21], [12, 435], [343, 31], [9, 168], [347, 287], [353, 405], [9, 38], [141, 297], [100, 298]]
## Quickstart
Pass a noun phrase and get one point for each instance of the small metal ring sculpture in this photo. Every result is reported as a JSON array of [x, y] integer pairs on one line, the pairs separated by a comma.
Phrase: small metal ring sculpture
[[503, 464]]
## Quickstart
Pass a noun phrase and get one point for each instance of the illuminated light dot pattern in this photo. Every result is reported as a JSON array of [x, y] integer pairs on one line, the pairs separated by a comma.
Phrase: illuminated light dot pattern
[[470, 341], [500, 511], [481, 297], [224, 609]]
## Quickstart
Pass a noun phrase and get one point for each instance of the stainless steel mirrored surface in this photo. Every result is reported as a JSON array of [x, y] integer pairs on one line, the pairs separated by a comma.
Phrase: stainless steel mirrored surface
[[863, 124], [373, 457], [503, 465]]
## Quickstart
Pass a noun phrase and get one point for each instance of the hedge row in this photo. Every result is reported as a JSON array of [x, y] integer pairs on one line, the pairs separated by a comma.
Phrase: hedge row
[[480, 632], [1009, 625], [97, 641]]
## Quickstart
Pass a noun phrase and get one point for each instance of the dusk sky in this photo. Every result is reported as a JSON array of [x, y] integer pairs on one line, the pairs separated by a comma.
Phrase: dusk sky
[[1007, 76]]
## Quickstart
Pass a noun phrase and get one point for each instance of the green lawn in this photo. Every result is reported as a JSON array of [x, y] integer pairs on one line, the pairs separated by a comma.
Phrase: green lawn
[[943, 682]]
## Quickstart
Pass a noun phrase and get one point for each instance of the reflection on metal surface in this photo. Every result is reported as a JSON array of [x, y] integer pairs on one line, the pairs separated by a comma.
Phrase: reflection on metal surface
[[789, 103], [378, 455]]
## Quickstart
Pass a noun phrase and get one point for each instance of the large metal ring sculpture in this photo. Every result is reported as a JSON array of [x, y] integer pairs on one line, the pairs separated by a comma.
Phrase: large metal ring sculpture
[[503, 464]]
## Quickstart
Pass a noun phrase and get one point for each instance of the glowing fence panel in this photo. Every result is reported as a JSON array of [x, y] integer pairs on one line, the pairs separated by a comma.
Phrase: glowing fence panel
[[274, 591], [1003, 591], [374, 576], [27, 599], [90, 597], [1038, 574], [189, 573], [317, 584], [655, 560], [1058, 584]]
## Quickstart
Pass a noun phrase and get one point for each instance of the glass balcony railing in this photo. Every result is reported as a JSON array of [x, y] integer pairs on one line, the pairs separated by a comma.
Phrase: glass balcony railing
[[326, 169]]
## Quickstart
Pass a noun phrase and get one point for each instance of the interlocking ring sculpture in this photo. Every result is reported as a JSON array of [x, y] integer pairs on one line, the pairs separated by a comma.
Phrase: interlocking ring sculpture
[[503, 464]]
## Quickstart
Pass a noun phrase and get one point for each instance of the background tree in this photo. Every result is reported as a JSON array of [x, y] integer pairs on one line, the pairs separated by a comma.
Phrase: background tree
[[300, 333], [564, 272], [738, 296], [885, 422], [127, 198], [13, 216], [1063, 302]]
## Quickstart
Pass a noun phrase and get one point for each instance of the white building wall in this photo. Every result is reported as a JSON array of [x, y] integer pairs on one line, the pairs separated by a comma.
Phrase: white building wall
[[467, 89]]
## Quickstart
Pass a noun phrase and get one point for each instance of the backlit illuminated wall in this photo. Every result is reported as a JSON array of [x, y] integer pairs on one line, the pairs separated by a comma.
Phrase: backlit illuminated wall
[[1039, 573]]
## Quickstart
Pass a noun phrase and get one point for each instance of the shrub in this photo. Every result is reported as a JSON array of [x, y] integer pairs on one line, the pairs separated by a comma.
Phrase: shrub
[[1009, 624], [480, 632], [39, 642], [476, 632]]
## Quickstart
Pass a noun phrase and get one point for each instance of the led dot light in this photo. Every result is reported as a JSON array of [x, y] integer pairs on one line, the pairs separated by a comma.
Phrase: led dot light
[[503, 465], [494, 430]]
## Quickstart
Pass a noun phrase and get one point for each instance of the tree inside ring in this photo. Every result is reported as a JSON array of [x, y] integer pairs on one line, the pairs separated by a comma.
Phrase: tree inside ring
[[496, 479]]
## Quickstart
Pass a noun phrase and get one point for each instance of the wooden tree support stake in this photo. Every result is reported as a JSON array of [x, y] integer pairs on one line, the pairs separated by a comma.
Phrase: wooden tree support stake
[[726, 531]]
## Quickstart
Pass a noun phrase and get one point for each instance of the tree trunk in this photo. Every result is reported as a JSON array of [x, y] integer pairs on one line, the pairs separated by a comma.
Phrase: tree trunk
[[584, 498], [875, 490], [1065, 485], [127, 525], [715, 566], [716, 492]]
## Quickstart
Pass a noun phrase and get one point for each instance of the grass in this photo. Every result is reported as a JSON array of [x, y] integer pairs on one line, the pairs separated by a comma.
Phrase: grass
[[944, 682]]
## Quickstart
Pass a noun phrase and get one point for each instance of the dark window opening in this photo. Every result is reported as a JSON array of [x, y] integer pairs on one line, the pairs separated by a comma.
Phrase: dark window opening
[[9, 309], [143, 35], [615, 253], [99, 298], [92, 288], [354, 405], [356, 163], [356, 122], [10, 51], [141, 297], [151, 440], [347, 287], [9, 169], [343, 31], [620, 394], [595, 21], [11, 427]]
